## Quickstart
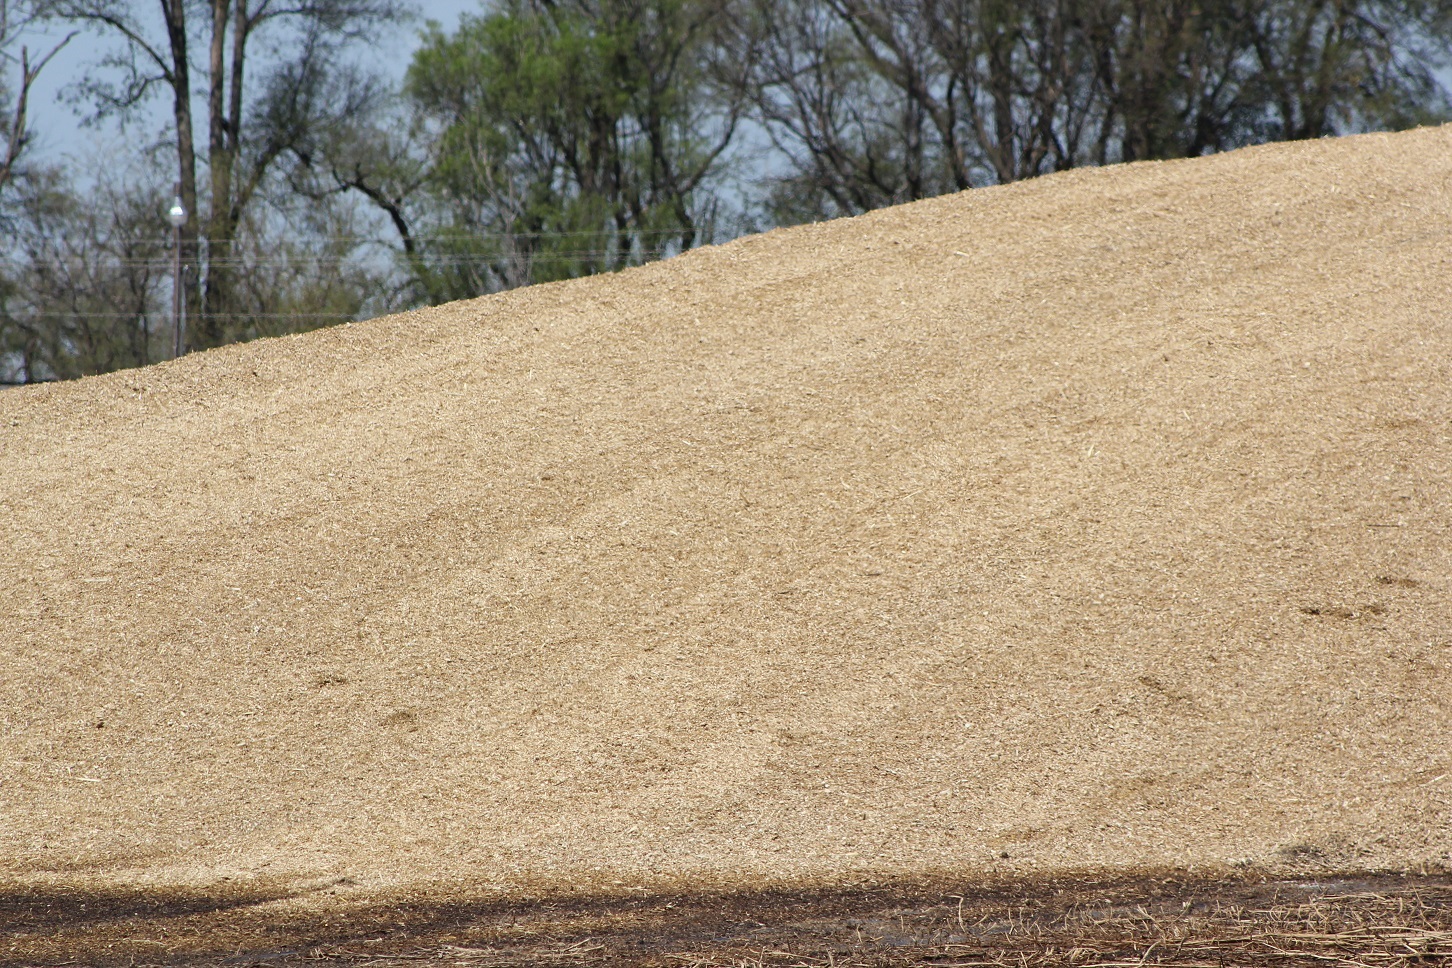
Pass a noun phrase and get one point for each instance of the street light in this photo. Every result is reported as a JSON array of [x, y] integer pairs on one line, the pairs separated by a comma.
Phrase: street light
[[178, 216]]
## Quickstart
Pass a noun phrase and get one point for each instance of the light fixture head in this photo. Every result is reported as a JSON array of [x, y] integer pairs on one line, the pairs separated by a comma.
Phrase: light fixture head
[[178, 213]]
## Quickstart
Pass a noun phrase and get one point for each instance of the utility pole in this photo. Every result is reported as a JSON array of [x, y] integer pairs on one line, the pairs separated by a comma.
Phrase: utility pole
[[178, 216]]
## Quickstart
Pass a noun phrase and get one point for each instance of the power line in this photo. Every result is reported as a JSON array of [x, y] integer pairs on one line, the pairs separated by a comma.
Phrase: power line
[[479, 238], [320, 314], [163, 264], [474, 237]]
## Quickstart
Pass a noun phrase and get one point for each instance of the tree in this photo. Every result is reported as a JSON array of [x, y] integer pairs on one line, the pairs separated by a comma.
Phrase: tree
[[1335, 67], [1190, 77], [851, 126], [302, 264], [373, 154], [19, 180], [90, 275], [880, 101], [884, 101], [89, 281], [15, 102], [566, 139], [251, 123]]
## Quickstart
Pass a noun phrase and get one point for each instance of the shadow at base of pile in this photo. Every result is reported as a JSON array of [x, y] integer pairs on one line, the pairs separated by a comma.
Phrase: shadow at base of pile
[[1142, 918]]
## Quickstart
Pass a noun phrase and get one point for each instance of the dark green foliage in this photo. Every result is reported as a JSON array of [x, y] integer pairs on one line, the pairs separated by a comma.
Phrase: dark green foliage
[[568, 139]]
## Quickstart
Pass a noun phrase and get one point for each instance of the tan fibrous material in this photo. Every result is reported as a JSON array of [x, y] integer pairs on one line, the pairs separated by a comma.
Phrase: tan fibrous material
[[1095, 521]]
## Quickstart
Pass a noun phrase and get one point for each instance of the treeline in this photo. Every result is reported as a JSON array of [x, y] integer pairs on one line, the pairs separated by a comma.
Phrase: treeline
[[544, 139]]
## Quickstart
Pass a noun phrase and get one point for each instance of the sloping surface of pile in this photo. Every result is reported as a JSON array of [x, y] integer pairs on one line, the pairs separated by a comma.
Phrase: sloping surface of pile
[[1100, 520]]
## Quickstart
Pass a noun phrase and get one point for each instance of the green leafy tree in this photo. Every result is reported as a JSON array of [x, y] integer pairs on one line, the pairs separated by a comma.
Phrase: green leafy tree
[[569, 138]]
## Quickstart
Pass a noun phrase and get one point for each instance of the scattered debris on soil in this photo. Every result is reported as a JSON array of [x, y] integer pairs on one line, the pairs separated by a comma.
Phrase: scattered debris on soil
[[1102, 920]]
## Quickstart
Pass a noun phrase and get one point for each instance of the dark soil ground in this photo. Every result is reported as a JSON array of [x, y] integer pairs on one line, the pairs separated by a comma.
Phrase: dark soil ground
[[1148, 919]]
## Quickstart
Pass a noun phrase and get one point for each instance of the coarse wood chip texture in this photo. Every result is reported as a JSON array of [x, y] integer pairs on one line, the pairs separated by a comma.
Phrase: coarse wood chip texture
[[1093, 522]]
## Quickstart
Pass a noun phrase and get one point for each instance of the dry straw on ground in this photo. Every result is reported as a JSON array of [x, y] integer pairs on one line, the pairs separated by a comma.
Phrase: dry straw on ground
[[1079, 921], [1100, 520]]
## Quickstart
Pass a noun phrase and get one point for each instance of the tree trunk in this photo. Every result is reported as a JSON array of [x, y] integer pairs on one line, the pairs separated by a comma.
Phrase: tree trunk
[[221, 156], [174, 13]]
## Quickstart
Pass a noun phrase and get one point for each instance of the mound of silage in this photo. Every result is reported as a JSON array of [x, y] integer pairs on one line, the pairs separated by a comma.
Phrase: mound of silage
[[1096, 520]]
